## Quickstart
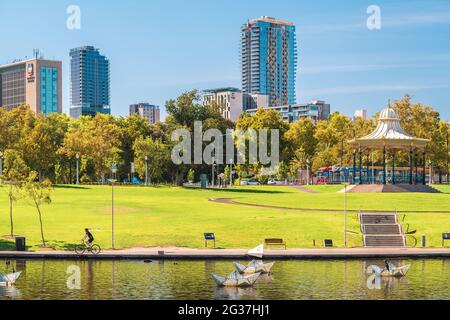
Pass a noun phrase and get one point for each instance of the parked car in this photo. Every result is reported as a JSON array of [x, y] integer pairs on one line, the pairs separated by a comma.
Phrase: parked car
[[253, 183], [275, 182]]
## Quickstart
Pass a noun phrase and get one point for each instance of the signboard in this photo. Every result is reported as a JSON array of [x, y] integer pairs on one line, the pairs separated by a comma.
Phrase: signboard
[[30, 72], [210, 236], [114, 168]]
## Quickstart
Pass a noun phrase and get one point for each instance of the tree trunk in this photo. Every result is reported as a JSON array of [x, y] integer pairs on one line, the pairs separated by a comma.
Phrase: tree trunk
[[40, 221], [11, 210]]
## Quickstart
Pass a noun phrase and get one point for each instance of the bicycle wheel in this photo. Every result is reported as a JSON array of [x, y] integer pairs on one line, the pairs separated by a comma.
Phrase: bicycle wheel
[[80, 249], [95, 249]]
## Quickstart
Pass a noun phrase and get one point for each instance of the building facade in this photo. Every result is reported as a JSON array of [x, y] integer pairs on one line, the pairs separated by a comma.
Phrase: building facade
[[233, 101], [35, 82], [229, 100], [89, 82], [147, 111], [361, 113], [316, 111], [269, 60]]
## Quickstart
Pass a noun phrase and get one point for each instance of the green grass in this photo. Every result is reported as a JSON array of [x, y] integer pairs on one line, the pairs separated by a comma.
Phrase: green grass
[[325, 188], [328, 197], [165, 216]]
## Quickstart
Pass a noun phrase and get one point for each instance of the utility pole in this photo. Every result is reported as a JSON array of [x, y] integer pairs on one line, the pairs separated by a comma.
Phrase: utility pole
[[113, 172], [231, 173], [1, 167], [345, 215], [77, 156], [448, 173], [146, 170]]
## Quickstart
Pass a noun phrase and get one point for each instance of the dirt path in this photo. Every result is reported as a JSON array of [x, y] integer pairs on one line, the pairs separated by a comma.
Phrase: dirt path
[[302, 188], [233, 202]]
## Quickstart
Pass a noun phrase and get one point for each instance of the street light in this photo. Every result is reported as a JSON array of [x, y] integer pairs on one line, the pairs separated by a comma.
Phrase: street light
[[345, 214], [1, 166], [431, 172], [146, 170], [307, 172], [113, 171], [231, 173], [77, 156]]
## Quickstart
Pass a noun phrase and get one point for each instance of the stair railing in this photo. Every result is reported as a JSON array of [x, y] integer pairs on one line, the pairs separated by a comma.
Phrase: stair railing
[[411, 237]]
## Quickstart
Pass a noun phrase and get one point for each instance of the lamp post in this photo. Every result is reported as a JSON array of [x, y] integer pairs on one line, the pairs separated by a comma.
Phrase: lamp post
[[1, 167], [431, 172], [77, 156], [113, 171], [345, 215], [307, 172], [231, 173], [146, 170]]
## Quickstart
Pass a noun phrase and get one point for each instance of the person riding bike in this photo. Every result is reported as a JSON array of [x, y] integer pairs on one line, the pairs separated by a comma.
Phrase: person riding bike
[[88, 238]]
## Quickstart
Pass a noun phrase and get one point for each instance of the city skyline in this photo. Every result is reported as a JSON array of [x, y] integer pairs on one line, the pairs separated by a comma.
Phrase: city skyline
[[339, 61]]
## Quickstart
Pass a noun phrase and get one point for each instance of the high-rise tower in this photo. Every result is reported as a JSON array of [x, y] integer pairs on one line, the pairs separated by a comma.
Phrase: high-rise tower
[[89, 79], [269, 59]]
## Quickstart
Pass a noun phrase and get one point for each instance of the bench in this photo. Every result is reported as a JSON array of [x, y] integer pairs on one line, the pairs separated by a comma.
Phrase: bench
[[328, 243], [275, 242]]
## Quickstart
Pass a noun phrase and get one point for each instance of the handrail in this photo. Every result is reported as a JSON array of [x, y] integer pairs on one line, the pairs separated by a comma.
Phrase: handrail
[[413, 237]]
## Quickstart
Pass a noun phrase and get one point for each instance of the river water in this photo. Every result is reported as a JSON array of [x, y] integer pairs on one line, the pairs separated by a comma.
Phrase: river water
[[292, 280]]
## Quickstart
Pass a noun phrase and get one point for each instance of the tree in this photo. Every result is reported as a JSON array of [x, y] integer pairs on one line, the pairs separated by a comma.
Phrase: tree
[[191, 175], [130, 128], [15, 172], [283, 171], [264, 119], [227, 173], [43, 142], [157, 156], [96, 140], [302, 139], [39, 194]]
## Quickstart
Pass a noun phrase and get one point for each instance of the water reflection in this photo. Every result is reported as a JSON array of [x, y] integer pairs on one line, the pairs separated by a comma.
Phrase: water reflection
[[332, 279]]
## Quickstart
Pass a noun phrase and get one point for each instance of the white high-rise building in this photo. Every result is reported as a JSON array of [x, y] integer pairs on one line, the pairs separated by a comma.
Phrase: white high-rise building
[[360, 113]]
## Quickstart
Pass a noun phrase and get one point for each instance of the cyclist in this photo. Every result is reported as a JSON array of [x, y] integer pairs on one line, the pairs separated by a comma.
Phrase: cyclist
[[88, 238]]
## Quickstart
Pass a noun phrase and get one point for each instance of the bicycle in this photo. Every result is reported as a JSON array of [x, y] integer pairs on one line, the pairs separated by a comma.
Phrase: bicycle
[[82, 248]]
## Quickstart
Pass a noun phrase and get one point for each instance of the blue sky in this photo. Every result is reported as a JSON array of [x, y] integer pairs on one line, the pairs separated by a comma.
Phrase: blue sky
[[159, 49]]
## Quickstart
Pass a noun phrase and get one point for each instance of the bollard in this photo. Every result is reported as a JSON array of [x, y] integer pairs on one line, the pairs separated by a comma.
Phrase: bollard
[[424, 241]]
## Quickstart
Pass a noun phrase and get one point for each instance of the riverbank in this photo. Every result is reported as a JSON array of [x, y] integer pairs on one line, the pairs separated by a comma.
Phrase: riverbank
[[173, 253]]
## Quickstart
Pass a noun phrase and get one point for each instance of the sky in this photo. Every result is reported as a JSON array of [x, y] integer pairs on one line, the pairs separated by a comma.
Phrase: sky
[[160, 49]]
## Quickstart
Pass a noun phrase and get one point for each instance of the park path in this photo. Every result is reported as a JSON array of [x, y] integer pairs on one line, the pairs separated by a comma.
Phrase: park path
[[229, 201], [306, 190]]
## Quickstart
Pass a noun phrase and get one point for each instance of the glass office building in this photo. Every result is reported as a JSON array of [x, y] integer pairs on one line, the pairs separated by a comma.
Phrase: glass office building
[[49, 90], [269, 59], [89, 78]]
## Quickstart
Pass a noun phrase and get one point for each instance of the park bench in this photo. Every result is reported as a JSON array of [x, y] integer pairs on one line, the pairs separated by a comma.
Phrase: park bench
[[328, 243], [275, 242]]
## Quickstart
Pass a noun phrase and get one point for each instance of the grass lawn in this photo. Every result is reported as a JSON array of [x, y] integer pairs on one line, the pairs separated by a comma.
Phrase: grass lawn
[[158, 216]]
